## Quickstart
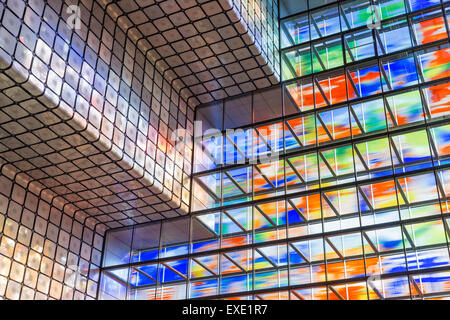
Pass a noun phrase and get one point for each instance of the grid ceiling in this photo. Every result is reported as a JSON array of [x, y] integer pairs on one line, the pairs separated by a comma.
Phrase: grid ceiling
[[45, 150], [58, 143], [204, 48]]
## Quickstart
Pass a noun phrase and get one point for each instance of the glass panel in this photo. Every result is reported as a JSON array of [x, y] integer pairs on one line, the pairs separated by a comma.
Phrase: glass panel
[[393, 36], [302, 172], [208, 151], [330, 89], [431, 283], [204, 288], [204, 266], [355, 13], [440, 144], [311, 250], [419, 193], [307, 209], [299, 96], [294, 31], [349, 291], [327, 55], [113, 284], [411, 151], [404, 108], [288, 7], [268, 177], [363, 80], [174, 237], [274, 212], [317, 3], [171, 292], [148, 293], [325, 22], [238, 220], [143, 276], [425, 234], [386, 239], [433, 258], [390, 8], [371, 159], [336, 166], [237, 185], [436, 100], [434, 63], [428, 27], [340, 202], [315, 293], [118, 247], [206, 192], [270, 279], [238, 146], [267, 105], [205, 231], [367, 117], [399, 72], [358, 45], [296, 63], [211, 117], [146, 242], [238, 112], [421, 4], [235, 284], [333, 125], [300, 132], [268, 141]]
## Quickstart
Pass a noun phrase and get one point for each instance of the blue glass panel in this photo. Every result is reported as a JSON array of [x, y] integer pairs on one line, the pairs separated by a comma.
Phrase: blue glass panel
[[421, 4], [400, 73]]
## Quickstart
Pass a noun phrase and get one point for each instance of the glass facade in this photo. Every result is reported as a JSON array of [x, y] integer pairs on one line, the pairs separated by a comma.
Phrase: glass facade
[[333, 185], [350, 32]]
